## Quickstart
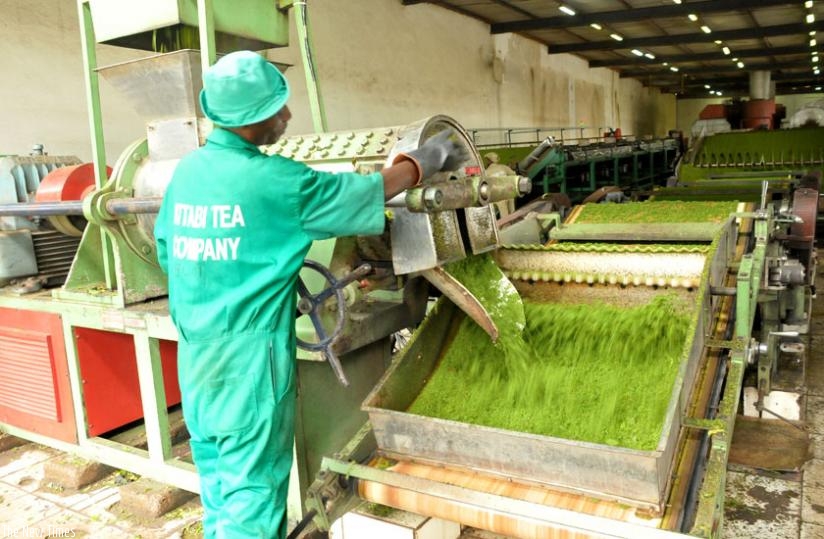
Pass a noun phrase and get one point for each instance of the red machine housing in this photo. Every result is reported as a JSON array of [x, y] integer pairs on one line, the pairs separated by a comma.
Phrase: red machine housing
[[35, 393], [108, 368]]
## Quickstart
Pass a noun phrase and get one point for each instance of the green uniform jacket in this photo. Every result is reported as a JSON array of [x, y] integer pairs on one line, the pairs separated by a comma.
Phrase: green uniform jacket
[[232, 234]]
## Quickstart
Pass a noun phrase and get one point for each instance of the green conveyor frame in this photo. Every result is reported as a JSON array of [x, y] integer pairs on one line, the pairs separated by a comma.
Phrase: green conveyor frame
[[579, 170]]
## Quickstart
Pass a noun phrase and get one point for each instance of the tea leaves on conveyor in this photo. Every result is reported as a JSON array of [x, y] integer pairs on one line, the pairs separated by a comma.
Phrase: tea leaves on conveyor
[[595, 373], [664, 211]]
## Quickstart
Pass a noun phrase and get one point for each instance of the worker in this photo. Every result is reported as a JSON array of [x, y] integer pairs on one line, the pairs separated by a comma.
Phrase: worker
[[232, 233]]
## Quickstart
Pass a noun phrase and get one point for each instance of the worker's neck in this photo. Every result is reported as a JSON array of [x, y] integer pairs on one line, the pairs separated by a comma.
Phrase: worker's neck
[[247, 133]]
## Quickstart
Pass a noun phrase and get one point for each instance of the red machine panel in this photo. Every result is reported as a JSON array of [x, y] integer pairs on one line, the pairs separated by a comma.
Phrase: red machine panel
[[35, 393], [108, 368]]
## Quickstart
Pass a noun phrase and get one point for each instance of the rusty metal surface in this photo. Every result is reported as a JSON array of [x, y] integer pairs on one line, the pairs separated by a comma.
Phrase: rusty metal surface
[[805, 206]]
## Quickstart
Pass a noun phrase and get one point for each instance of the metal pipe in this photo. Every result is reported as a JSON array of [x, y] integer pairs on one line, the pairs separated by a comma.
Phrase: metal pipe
[[127, 206], [723, 290], [760, 85], [42, 209], [117, 206]]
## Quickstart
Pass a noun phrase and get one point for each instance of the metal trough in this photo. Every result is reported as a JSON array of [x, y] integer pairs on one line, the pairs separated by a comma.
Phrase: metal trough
[[641, 478]]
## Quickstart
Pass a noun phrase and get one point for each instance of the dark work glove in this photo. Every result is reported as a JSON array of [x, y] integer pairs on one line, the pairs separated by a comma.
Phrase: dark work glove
[[436, 154]]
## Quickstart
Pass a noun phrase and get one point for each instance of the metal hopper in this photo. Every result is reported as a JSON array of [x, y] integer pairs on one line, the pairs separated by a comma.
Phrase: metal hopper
[[162, 86], [640, 478]]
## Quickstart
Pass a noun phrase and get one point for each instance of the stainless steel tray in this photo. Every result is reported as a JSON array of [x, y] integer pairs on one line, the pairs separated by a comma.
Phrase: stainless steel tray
[[638, 477]]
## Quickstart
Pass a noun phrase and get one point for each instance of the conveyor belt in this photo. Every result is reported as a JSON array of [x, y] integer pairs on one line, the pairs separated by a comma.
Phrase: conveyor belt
[[520, 510]]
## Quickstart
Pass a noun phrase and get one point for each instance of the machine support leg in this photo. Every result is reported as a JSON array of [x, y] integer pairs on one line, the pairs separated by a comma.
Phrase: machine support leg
[[710, 511], [153, 397]]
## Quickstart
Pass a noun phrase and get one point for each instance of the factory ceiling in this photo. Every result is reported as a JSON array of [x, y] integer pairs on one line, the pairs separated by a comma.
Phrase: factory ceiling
[[691, 48]]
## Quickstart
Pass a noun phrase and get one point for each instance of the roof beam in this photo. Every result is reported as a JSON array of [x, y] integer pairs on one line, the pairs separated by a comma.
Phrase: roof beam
[[629, 15], [704, 56], [733, 89], [700, 37], [739, 93], [706, 70], [449, 6], [728, 81]]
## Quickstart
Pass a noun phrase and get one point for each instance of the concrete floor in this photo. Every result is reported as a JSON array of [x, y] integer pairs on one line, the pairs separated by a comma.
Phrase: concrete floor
[[32, 507], [786, 506]]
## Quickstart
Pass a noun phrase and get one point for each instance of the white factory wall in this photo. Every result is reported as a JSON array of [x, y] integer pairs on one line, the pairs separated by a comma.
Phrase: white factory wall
[[689, 109], [42, 93], [379, 63]]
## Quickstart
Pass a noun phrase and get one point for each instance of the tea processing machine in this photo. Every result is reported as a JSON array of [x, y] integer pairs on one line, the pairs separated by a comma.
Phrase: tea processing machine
[[579, 167], [89, 367], [728, 265], [734, 164], [88, 353]]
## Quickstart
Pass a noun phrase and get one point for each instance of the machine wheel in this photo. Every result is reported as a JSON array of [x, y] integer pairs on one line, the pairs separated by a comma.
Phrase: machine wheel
[[310, 304]]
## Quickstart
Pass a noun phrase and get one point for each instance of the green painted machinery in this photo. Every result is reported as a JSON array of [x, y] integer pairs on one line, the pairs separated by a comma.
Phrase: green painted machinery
[[579, 169], [103, 343], [732, 263], [779, 170], [736, 165]]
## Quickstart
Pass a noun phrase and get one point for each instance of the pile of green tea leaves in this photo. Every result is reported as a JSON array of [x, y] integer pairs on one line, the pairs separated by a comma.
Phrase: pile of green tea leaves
[[665, 211], [484, 279], [596, 373]]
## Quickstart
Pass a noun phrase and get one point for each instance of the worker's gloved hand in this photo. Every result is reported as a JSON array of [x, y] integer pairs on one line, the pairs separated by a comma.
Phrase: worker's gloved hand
[[436, 154]]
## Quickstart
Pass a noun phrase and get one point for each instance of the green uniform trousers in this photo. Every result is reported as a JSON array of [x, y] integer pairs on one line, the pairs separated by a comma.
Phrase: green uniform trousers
[[239, 404]]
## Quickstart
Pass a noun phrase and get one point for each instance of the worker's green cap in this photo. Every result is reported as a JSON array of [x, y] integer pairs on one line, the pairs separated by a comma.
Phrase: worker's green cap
[[242, 88]]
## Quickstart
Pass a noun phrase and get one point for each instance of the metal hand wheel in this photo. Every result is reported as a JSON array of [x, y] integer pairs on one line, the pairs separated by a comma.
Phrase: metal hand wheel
[[310, 304]]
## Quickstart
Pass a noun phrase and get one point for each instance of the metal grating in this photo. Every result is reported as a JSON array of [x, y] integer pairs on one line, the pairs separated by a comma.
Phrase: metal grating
[[54, 253], [28, 381]]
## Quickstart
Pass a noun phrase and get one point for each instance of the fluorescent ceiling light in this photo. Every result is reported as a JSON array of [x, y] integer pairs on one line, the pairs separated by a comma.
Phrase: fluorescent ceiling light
[[636, 52], [740, 65], [810, 18], [815, 59], [596, 26], [718, 92], [718, 41], [616, 37], [808, 4], [706, 29], [665, 64], [813, 42], [726, 50], [650, 55], [818, 88], [676, 2], [674, 69], [567, 10], [812, 32], [693, 17], [735, 59]]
